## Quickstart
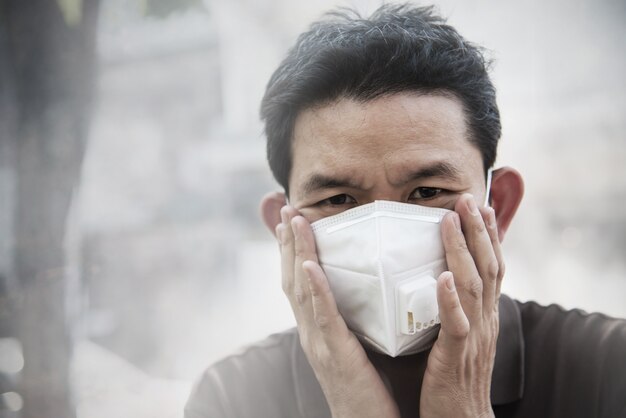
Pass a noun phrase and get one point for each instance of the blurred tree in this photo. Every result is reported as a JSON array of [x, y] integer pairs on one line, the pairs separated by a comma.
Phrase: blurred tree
[[47, 81]]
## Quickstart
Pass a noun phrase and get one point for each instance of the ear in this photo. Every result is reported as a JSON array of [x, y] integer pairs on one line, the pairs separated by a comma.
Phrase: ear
[[507, 190], [270, 209]]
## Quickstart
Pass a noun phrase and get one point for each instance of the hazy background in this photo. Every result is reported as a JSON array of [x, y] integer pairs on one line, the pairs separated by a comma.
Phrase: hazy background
[[173, 265]]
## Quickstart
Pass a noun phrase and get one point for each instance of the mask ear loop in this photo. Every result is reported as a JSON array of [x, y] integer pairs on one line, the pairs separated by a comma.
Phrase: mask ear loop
[[489, 174]]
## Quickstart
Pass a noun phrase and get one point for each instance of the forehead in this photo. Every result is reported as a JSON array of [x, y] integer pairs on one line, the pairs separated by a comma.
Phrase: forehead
[[385, 136]]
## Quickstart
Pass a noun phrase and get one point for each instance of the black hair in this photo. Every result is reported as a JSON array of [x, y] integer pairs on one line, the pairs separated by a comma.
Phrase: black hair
[[399, 48]]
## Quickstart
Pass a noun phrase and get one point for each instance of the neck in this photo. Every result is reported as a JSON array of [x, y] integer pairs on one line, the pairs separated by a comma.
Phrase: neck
[[403, 377]]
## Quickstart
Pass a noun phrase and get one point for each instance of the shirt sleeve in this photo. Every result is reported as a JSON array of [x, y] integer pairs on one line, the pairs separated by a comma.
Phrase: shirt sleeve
[[207, 398], [612, 357], [255, 382]]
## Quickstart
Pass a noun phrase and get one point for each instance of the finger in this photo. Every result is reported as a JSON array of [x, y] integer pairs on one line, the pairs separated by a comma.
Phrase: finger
[[454, 323], [480, 247], [489, 216], [304, 248], [461, 264], [326, 315], [287, 251]]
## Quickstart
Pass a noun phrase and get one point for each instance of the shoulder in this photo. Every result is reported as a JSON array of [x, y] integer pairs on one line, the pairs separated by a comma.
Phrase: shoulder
[[577, 353], [588, 340], [243, 384], [554, 324]]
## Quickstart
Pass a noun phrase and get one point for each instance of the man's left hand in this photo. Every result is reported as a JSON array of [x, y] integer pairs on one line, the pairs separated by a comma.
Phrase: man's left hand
[[457, 381]]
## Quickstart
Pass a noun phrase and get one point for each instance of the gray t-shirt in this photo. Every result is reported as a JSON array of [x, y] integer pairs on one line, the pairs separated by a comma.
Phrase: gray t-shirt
[[549, 363]]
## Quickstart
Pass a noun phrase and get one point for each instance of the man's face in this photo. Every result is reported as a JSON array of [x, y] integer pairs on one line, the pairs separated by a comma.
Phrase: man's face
[[405, 147]]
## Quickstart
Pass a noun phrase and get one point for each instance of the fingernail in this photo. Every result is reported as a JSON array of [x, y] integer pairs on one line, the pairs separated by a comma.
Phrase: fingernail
[[283, 216], [471, 206], [450, 283]]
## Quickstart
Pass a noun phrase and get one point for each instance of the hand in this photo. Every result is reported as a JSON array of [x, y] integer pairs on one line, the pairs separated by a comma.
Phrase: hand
[[457, 381], [351, 384]]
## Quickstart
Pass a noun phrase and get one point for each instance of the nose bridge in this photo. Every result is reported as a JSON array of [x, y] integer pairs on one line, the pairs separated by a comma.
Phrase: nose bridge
[[384, 188], [389, 196]]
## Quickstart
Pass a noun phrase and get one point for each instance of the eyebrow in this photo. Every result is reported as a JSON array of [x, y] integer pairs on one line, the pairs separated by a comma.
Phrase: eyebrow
[[440, 169], [320, 181]]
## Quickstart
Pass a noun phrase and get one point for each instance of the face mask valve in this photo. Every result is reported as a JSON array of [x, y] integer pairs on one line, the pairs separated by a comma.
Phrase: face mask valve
[[417, 305]]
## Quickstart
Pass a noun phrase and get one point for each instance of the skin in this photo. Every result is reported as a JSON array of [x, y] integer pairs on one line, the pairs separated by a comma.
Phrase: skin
[[409, 148]]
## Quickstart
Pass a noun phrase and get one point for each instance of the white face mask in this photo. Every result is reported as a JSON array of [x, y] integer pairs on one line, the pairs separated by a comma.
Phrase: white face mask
[[382, 260]]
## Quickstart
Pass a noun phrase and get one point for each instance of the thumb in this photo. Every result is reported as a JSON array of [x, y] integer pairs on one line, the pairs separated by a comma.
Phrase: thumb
[[454, 324]]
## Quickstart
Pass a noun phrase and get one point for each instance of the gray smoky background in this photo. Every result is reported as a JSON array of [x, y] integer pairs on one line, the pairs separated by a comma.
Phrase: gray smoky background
[[132, 162]]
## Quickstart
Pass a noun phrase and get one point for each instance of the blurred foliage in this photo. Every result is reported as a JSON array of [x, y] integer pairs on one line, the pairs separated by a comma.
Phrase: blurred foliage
[[72, 11], [163, 8]]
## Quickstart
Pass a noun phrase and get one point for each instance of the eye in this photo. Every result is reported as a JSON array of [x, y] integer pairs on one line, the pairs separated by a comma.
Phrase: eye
[[425, 193], [338, 200]]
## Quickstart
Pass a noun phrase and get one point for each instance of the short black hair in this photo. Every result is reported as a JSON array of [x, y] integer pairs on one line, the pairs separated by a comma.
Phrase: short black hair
[[399, 48]]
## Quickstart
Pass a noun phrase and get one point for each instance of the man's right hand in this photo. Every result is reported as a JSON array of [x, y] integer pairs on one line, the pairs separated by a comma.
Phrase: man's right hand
[[351, 384]]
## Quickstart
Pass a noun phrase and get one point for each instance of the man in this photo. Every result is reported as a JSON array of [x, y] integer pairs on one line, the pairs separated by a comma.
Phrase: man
[[399, 108]]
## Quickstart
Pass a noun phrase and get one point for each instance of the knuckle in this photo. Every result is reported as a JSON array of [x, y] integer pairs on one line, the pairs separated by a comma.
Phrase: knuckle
[[463, 331], [323, 322], [300, 252], [453, 305], [283, 234], [478, 227], [454, 322], [300, 295], [460, 330], [285, 240], [493, 269], [475, 289], [461, 245], [317, 292], [501, 270]]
